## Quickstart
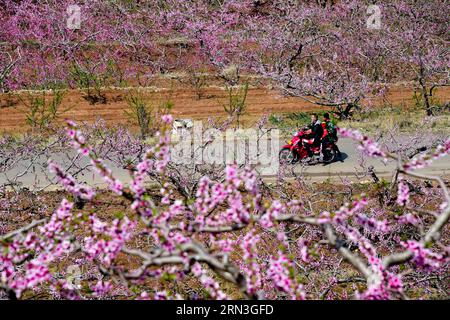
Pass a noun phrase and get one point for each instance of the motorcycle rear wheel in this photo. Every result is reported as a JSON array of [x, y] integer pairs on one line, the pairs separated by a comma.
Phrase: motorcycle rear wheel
[[329, 155]]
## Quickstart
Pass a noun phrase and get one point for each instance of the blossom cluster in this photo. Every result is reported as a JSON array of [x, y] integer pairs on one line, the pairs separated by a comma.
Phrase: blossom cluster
[[280, 272], [106, 240], [424, 160], [69, 183], [210, 284], [424, 257], [210, 195], [154, 161], [41, 250], [367, 145], [250, 265], [403, 193]]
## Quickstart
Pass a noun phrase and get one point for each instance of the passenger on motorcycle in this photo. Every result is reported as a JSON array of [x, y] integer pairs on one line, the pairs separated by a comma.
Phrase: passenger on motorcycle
[[330, 134]]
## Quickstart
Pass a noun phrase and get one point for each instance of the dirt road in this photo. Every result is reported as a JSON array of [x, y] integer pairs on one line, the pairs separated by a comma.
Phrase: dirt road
[[260, 101]]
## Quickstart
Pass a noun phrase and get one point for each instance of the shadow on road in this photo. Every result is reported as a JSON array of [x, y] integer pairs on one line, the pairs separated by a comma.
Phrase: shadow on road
[[338, 159], [342, 157]]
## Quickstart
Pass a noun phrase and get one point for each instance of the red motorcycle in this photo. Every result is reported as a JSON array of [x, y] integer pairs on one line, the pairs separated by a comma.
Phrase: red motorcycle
[[299, 148]]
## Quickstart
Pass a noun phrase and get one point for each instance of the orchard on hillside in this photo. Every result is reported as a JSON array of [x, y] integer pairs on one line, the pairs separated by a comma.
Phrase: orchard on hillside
[[197, 231]]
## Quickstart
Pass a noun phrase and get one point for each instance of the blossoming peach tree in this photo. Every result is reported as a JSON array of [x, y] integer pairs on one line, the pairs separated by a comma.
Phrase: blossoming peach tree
[[324, 54], [200, 232], [233, 238]]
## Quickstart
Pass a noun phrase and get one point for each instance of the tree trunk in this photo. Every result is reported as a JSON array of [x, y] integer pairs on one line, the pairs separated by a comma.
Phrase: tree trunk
[[426, 99], [345, 113], [425, 95]]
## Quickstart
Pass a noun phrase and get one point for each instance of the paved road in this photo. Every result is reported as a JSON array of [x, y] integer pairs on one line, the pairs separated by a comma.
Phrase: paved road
[[352, 162], [319, 172]]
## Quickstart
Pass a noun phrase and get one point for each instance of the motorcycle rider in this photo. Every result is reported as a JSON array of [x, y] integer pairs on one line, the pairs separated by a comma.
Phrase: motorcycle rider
[[331, 134], [315, 129]]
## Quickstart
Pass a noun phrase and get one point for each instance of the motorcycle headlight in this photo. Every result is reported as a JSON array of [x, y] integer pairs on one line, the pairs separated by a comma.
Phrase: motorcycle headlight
[[290, 142]]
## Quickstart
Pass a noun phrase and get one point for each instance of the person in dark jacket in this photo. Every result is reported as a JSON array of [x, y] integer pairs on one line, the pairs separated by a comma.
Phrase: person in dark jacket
[[316, 132]]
